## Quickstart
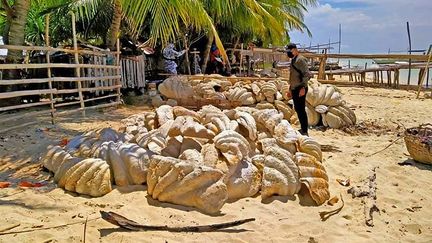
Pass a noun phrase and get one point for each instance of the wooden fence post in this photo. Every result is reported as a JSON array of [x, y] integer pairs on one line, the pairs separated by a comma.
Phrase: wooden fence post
[[389, 80], [241, 59], [78, 69], [321, 72], [48, 58], [118, 80]]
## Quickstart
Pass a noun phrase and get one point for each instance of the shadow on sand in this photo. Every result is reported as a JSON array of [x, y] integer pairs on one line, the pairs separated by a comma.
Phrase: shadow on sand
[[418, 165]]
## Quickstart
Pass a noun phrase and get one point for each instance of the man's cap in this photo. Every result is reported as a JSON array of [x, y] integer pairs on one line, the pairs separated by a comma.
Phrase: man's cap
[[291, 46]]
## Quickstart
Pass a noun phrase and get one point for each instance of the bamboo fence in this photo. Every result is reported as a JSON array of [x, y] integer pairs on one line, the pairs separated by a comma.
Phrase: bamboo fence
[[100, 78], [133, 72]]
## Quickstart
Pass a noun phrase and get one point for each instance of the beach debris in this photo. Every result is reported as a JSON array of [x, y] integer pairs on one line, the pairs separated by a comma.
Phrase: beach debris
[[388, 146], [4, 184], [30, 184], [344, 182], [367, 127], [85, 230], [333, 201], [126, 223], [370, 205], [63, 142], [330, 148], [327, 214], [312, 240], [40, 227], [407, 162], [9, 227], [414, 208]]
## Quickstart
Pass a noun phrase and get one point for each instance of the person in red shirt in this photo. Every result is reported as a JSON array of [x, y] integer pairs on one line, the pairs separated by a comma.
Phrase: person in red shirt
[[216, 60]]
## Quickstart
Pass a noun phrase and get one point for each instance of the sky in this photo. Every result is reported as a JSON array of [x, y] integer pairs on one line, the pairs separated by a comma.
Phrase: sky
[[369, 26]]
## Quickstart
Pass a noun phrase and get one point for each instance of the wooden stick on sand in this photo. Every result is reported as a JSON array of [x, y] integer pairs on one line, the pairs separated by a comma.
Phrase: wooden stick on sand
[[126, 223]]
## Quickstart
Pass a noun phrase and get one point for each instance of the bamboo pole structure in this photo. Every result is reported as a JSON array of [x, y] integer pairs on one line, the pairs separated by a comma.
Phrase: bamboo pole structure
[[114, 78], [77, 70], [241, 59], [67, 104], [52, 49], [101, 98], [53, 65], [48, 58], [389, 78], [16, 107], [187, 54], [118, 81], [26, 81], [26, 93], [367, 56], [410, 48], [427, 77], [422, 79]]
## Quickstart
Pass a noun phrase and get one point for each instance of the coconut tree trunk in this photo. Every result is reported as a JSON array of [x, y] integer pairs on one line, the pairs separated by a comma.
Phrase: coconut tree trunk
[[114, 30], [17, 29], [207, 52]]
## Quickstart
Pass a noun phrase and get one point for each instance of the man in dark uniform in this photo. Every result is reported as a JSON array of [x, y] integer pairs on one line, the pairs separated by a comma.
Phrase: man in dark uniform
[[299, 77]]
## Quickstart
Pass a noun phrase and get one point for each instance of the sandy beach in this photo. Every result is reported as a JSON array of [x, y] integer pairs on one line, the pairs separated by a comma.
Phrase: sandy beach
[[403, 192]]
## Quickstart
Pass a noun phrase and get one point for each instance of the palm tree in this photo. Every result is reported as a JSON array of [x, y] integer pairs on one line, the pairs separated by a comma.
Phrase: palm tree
[[266, 20], [114, 29], [167, 19], [16, 23]]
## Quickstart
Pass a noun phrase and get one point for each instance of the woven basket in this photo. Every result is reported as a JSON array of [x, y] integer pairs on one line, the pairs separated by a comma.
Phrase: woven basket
[[418, 141]]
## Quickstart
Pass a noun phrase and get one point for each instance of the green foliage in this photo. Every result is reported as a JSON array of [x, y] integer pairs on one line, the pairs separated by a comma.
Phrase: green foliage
[[164, 20]]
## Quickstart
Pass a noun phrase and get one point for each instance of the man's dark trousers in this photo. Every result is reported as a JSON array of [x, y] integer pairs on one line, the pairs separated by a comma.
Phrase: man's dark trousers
[[300, 108]]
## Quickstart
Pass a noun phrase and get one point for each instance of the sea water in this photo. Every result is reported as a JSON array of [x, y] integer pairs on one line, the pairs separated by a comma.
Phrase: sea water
[[403, 78]]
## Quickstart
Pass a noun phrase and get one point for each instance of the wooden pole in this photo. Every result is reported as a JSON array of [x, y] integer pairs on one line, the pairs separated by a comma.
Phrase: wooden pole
[[427, 77], [48, 58], [410, 48], [422, 71], [422, 79], [389, 78], [364, 74], [241, 59], [382, 77], [187, 54], [321, 72], [398, 78], [118, 71], [395, 78], [77, 69], [427, 69], [340, 39]]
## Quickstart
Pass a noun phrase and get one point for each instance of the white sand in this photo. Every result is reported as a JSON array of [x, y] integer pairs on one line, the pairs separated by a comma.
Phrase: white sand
[[404, 192]]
